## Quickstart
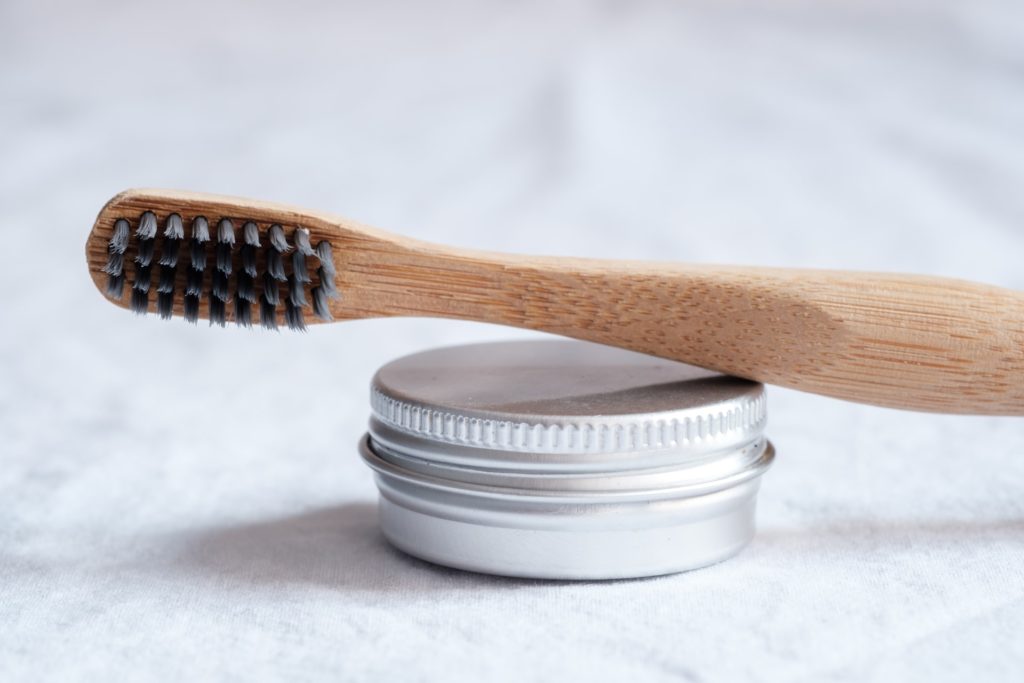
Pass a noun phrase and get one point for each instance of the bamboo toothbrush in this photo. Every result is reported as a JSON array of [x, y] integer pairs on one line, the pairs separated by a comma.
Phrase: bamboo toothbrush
[[902, 341]]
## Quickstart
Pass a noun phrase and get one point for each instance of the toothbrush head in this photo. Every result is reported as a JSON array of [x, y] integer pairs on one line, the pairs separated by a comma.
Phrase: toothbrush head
[[199, 256]]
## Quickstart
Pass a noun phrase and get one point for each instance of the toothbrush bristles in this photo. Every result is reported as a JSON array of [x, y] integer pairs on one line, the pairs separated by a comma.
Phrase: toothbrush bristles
[[220, 285], [293, 316], [217, 313], [253, 275], [268, 312], [191, 308], [165, 304], [243, 312], [278, 240], [275, 265]]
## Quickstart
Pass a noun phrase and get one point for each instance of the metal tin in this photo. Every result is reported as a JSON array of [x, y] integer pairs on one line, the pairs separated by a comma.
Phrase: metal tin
[[564, 460]]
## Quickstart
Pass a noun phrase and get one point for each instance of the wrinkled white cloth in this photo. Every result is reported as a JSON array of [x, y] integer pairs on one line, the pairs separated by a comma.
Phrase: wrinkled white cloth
[[183, 503]]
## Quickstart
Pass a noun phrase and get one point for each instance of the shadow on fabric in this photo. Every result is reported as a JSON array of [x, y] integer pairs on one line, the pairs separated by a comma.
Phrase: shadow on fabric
[[340, 547]]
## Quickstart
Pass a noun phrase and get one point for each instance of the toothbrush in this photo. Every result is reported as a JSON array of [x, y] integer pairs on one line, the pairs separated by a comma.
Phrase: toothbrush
[[901, 341]]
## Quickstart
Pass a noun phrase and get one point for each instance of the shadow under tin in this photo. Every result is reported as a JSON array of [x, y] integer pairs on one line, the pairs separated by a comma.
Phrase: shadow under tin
[[563, 459]]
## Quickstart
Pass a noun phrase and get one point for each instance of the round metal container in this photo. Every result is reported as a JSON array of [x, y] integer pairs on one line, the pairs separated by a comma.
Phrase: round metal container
[[564, 460]]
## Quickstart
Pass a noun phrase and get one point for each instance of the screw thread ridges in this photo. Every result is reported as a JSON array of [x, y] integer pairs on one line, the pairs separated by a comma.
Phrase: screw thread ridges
[[743, 419]]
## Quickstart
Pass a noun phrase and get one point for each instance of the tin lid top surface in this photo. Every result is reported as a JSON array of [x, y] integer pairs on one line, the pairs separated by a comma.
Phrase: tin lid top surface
[[559, 400]]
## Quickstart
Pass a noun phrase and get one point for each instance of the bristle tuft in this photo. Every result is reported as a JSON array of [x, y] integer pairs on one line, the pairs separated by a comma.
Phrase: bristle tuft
[[194, 284], [197, 255], [277, 239], [323, 252], [243, 312], [271, 290], [293, 316], [166, 285], [115, 286], [225, 231], [328, 284], [320, 308], [275, 265], [296, 292], [145, 252], [268, 313], [249, 260], [143, 278], [191, 308], [302, 245], [115, 263], [246, 287], [139, 301], [217, 312], [174, 228], [165, 304], [169, 251], [224, 257], [200, 229], [219, 287], [299, 269], [121, 236], [147, 226], [251, 234]]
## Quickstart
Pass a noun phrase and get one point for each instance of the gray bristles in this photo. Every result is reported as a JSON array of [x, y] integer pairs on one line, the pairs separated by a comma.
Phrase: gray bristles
[[166, 285], [249, 260], [191, 308], [243, 313], [270, 289], [323, 252], [194, 286], [145, 252], [147, 226], [225, 231], [225, 239], [165, 304], [278, 240], [248, 279], [320, 308], [219, 289], [275, 265], [174, 229], [296, 293], [200, 229], [197, 254], [251, 234], [330, 289], [299, 269], [115, 263], [115, 286], [119, 240], [224, 257], [217, 314], [301, 238], [293, 316], [169, 251], [143, 276], [140, 301], [246, 288], [268, 314]]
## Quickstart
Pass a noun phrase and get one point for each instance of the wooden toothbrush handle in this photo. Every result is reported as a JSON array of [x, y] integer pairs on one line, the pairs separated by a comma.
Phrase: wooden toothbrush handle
[[902, 341]]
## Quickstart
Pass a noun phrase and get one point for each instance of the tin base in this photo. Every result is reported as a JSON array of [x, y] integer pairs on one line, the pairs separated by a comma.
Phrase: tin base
[[547, 554]]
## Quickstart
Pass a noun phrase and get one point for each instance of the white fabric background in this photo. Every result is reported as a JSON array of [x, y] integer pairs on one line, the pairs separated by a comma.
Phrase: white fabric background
[[186, 504]]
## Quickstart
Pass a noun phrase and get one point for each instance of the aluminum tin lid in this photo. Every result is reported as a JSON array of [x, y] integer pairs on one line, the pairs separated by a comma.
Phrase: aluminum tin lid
[[560, 405]]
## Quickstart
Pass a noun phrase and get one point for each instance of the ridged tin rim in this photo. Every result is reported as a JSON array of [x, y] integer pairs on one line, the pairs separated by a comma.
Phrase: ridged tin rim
[[594, 488], [668, 408]]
